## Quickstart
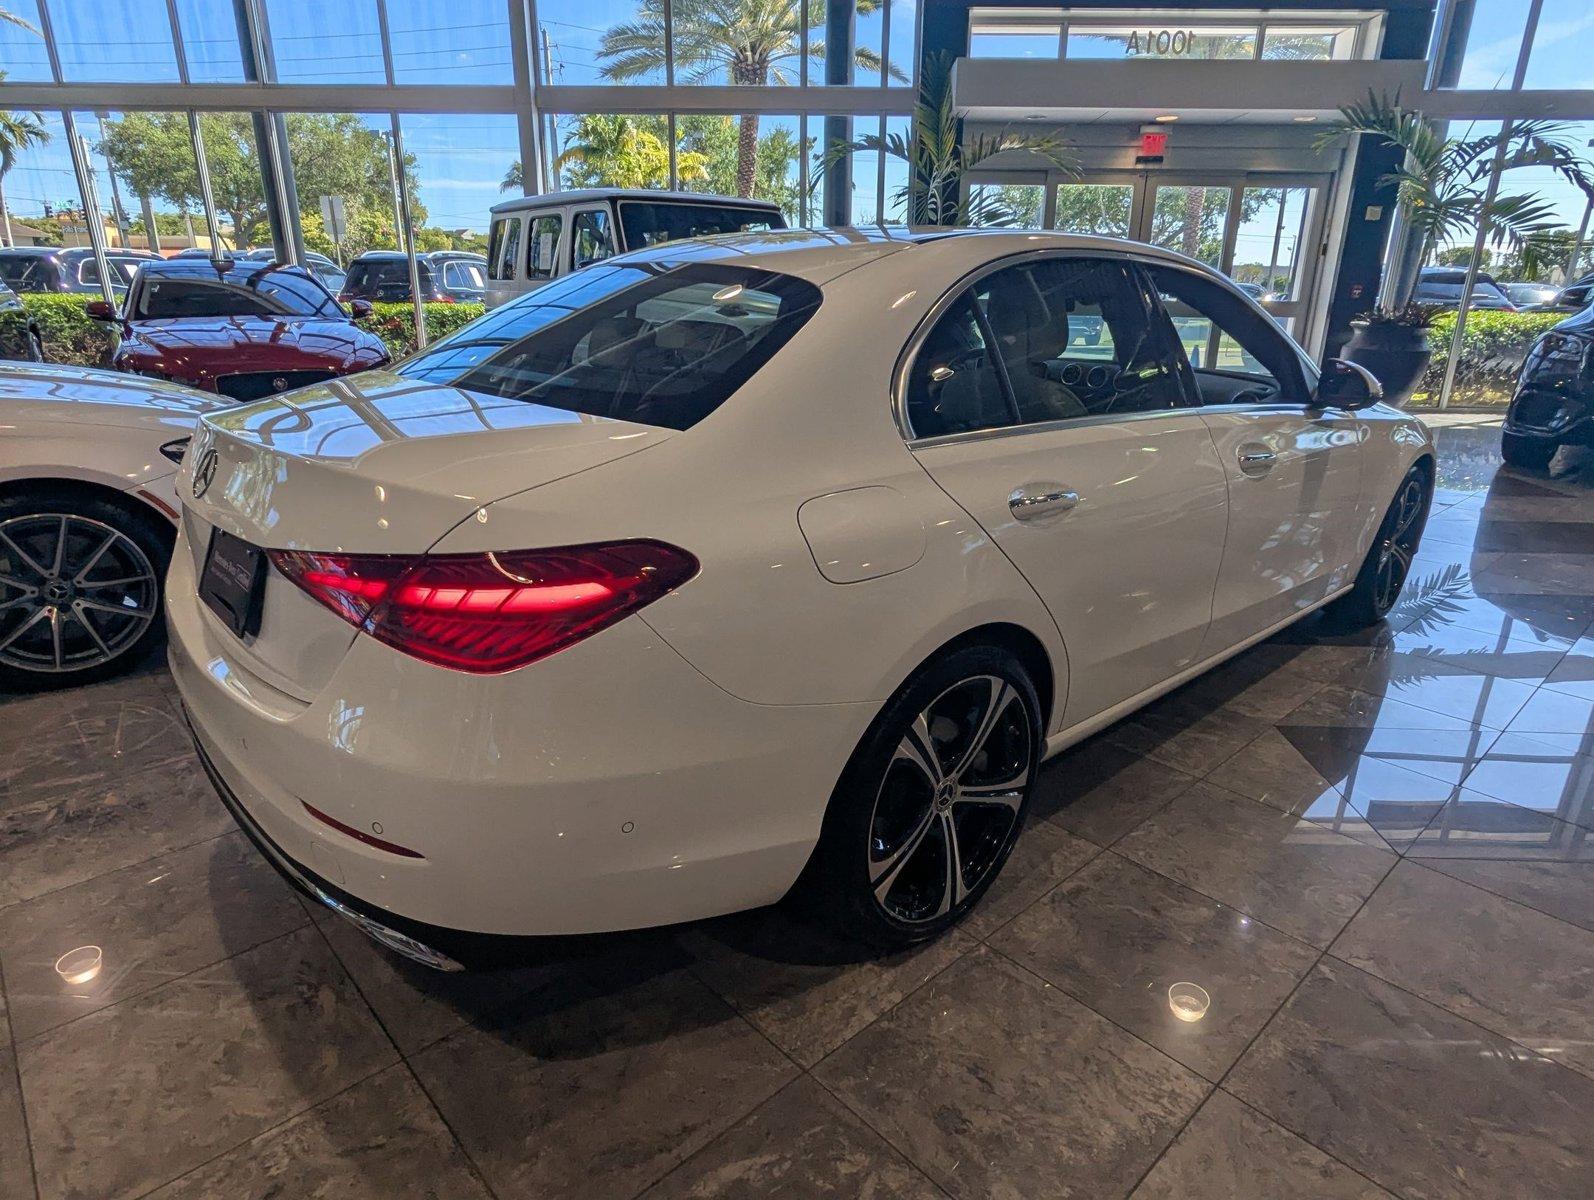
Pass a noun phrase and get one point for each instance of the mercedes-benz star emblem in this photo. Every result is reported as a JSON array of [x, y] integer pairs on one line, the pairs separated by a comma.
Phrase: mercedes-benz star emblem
[[204, 472]]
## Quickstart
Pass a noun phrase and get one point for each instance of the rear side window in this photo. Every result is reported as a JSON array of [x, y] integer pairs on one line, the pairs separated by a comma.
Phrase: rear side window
[[638, 343], [503, 248], [542, 250], [28, 273], [647, 223], [463, 276], [591, 238]]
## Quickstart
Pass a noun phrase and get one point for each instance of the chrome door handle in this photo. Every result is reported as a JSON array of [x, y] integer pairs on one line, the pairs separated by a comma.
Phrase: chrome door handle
[[1028, 505], [1255, 459]]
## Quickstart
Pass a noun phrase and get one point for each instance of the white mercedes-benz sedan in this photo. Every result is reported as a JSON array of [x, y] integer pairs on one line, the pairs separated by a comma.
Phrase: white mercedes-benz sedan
[[752, 563], [87, 517]]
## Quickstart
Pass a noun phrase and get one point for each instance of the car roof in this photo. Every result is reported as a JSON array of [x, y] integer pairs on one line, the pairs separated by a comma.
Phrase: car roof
[[820, 255], [207, 266], [588, 195], [424, 256]]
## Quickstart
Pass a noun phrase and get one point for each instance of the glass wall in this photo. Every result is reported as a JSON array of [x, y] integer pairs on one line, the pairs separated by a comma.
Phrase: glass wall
[[1167, 33]]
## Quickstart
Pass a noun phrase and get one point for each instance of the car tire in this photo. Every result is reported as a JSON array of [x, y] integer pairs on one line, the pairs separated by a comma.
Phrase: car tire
[[935, 770], [1525, 453], [1388, 563], [44, 641]]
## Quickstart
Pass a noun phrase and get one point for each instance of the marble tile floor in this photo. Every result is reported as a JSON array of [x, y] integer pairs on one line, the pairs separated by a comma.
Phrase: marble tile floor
[[1376, 853]]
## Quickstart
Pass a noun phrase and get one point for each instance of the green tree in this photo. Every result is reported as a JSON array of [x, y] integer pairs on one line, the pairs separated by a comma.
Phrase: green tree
[[332, 154], [717, 140], [748, 42], [610, 150], [19, 131]]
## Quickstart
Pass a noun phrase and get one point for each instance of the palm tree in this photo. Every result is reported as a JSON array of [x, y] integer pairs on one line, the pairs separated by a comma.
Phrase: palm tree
[[514, 179], [11, 18], [1443, 183], [620, 151], [754, 42], [938, 158], [18, 131]]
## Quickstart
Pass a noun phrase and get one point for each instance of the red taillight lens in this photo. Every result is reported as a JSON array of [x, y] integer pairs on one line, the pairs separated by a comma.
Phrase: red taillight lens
[[493, 612]]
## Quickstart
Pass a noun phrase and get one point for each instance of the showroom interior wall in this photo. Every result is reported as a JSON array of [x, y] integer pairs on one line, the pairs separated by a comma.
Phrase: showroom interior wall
[[227, 121]]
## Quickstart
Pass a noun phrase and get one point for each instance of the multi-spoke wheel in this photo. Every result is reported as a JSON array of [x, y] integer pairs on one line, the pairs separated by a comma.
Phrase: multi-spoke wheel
[[928, 809], [80, 588], [1388, 563]]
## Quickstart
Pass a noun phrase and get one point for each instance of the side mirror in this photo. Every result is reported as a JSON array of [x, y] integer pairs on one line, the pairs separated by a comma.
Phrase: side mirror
[[360, 309], [99, 310], [1347, 385], [1573, 297]]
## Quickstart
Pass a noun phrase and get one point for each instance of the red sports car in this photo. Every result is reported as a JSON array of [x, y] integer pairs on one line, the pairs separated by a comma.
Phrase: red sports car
[[244, 329]]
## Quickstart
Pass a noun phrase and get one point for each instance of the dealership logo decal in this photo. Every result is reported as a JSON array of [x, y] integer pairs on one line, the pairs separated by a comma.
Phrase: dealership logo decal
[[204, 472]]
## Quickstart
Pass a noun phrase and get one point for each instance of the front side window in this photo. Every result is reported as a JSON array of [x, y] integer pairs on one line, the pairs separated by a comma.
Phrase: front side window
[[1076, 341], [1055, 339], [1236, 355], [591, 239], [638, 343], [542, 250], [463, 276]]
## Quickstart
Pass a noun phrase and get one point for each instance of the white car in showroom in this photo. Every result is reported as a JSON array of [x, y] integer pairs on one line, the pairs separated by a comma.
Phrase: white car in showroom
[[759, 561], [87, 517]]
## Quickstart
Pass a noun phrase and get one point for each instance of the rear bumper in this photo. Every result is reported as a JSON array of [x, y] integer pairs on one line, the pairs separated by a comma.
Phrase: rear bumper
[[608, 787]]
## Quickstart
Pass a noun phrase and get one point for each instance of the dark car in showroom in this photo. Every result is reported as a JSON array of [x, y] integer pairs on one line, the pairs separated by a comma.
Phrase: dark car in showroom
[[447, 277], [69, 269], [1554, 401], [243, 329]]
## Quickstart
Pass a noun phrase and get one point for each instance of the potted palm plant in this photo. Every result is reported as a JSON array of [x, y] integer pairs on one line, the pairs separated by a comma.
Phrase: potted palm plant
[[938, 158], [1443, 193]]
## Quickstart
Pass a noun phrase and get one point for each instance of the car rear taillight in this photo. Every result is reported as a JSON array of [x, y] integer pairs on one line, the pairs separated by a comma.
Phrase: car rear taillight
[[492, 612]]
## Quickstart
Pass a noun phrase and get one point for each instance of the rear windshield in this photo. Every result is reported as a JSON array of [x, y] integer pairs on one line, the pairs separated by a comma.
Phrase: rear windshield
[[648, 222], [247, 290], [384, 278], [637, 342]]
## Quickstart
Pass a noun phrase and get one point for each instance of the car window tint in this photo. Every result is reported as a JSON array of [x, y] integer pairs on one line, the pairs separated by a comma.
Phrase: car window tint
[[27, 273], [955, 386], [466, 276], [647, 223], [543, 247], [1233, 349], [1075, 339], [503, 248], [655, 347], [302, 295], [161, 299], [592, 240]]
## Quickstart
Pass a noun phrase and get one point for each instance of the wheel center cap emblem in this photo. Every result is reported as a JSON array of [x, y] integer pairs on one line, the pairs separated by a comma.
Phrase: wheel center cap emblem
[[944, 795], [57, 591]]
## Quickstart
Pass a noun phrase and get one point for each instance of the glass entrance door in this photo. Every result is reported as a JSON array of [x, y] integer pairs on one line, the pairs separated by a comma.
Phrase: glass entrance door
[[1262, 233]]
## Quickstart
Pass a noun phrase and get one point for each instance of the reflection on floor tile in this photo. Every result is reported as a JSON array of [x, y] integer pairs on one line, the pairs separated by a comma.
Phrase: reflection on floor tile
[[598, 1089], [154, 922], [802, 1143], [1230, 1152], [1101, 791], [1482, 958], [133, 1095], [1561, 889], [1415, 1098], [1472, 825], [1535, 773], [997, 1084], [1117, 936], [1291, 874], [53, 839], [378, 1140], [803, 988]]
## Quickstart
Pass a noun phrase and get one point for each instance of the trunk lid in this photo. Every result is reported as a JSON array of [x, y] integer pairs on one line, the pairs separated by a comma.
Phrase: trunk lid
[[372, 464]]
